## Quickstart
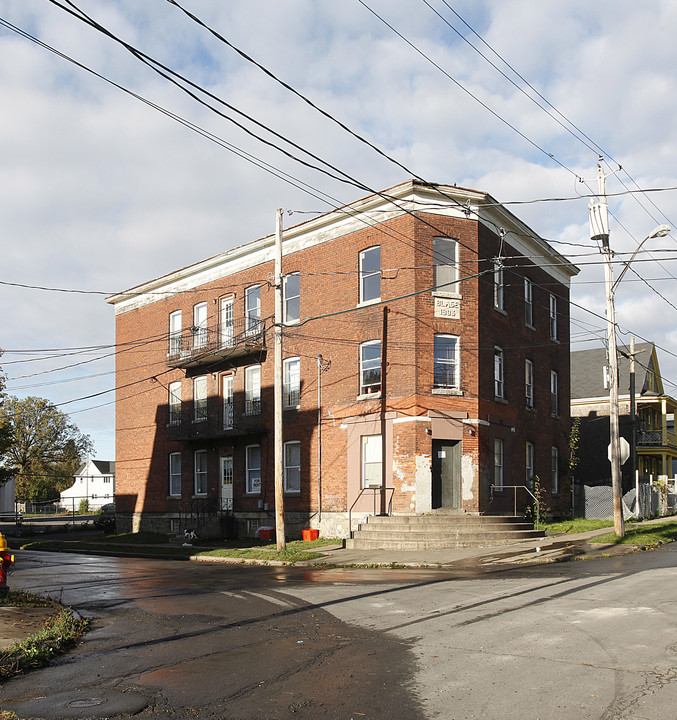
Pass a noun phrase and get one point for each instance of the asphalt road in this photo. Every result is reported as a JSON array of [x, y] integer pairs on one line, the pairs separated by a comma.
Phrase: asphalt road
[[594, 639]]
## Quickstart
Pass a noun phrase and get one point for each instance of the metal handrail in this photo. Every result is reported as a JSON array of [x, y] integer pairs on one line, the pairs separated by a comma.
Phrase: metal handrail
[[359, 495], [515, 488]]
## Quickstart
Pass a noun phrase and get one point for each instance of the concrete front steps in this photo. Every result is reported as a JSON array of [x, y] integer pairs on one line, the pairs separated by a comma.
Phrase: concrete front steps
[[440, 529]]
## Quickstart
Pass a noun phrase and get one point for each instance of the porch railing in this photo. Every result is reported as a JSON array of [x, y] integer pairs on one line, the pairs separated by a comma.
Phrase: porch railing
[[376, 494]]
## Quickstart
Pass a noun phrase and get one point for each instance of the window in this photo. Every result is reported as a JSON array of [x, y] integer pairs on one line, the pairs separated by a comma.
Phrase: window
[[175, 473], [371, 461], [529, 382], [445, 374], [292, 467], [498, 284], [200, 325], [445, 260], [370, 274], [200, 472], [291, 386], [554, 402], [554, 464], [174, 403], [553, 317], [252, 309], [291, 288], [227, 482], [370, 367], [529, 463], [253, 469], [528, 303], [227, 397], [499, 386], [227, 331], [498, 464], [200, 399], [175, 333], [252, 390]]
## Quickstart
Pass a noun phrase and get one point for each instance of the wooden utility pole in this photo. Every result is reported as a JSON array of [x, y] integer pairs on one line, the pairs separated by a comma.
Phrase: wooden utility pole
[[278, 385], [599, 225], [384, 444]]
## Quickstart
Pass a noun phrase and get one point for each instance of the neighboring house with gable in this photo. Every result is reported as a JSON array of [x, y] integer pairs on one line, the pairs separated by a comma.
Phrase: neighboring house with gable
[[656, 442], [94, 482], [425, 338]]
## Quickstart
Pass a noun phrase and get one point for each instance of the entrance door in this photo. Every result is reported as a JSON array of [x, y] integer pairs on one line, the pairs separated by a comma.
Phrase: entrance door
[[227, 483], [446, 479]]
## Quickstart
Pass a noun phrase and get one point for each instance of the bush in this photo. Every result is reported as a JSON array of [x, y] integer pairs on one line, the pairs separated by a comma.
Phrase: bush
[[83, 508]]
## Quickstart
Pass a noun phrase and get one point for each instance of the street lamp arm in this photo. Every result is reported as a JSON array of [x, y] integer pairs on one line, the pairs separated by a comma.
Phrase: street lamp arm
[[658, 231]]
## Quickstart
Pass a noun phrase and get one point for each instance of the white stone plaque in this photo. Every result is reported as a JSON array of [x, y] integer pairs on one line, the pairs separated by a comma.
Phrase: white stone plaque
[[448, 308]]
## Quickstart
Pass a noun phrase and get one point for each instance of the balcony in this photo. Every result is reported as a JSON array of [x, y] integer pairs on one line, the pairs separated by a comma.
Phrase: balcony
[[656, 438], [199, 346], [237, 418]]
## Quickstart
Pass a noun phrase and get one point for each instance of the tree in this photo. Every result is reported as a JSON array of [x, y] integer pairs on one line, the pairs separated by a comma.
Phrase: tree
[[46, 448], [6, 471]]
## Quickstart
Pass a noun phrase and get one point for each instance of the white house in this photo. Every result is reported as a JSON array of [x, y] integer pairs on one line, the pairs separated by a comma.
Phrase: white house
[[94, 482]]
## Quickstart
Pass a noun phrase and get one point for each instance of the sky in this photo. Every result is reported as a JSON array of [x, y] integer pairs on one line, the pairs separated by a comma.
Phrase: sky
[[103, 188]]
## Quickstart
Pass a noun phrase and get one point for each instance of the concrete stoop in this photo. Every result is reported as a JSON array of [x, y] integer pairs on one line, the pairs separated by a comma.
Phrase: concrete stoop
[[440, 530]]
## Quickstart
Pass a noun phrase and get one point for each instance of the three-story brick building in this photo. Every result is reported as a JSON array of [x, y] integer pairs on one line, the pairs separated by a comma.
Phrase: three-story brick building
[[426, 313]]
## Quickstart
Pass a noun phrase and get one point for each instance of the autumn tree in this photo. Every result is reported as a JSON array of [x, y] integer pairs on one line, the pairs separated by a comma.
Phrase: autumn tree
[[45, 447], [6, 471]]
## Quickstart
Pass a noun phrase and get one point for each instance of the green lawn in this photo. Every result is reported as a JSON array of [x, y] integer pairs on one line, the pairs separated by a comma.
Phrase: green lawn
[[158, 544], [647, 535], [577, 525]]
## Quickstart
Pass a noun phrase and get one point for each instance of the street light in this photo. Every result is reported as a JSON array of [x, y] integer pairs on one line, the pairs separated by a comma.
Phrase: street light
[[599, 230]]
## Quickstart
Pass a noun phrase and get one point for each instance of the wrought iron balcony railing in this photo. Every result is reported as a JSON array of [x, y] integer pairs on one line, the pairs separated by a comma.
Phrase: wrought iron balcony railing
[[201, 346]]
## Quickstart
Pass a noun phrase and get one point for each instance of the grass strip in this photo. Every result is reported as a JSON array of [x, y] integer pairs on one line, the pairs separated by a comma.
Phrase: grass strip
[[61, 632], [577, 525], [648, 535]]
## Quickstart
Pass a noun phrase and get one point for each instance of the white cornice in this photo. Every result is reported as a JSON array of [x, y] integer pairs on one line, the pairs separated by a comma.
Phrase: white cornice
[[410, 196]]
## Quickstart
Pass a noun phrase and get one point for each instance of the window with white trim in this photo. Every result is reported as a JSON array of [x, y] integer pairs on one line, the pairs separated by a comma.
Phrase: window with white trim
[[252, 390], [498, 464], [370, 274], [200, 399], [529, 383], [553, 317], [175, 328], [227, 400], [252, 309], [446, 353], [371, 461], [292, 466], [554, 393], [175, 403], [499, 288], [499, 385], [291, 382], [227, 325], [554, 465], [200, 482], [370, 367], [200, 325], [291, 289], [529, 463], [445, 261], [175, 474], [528, 302], [253, 469]]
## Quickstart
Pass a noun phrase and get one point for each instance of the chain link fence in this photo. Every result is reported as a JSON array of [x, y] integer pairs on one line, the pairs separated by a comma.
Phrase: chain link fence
[[650, 498]]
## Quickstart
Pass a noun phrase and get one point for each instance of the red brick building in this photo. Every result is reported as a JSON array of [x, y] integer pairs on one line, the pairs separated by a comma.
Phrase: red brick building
[[474, 397]]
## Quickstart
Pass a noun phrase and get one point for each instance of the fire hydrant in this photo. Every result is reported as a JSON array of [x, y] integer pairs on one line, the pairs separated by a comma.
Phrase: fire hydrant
[[6, 561]]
